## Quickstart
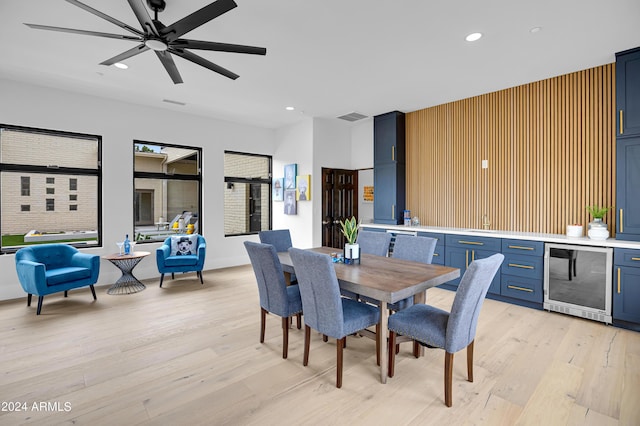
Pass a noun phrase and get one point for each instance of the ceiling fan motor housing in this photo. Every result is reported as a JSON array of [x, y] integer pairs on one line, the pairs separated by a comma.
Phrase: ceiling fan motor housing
[[156, 5]]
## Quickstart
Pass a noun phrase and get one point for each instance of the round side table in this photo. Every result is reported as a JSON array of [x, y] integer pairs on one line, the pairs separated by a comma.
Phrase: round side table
[[127, 283]]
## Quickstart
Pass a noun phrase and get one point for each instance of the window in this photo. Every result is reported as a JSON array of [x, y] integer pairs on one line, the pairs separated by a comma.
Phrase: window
[[73, 197], [168, 190], [73, 184], [25, 186], [52, 156], [73, 207], [247, 193]]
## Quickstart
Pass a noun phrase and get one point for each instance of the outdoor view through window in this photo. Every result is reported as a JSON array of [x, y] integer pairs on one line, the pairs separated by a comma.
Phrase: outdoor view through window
[[49, 187], [167, 190]]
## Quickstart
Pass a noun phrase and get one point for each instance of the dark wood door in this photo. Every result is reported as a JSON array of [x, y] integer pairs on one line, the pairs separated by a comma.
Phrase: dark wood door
[[339, 201]]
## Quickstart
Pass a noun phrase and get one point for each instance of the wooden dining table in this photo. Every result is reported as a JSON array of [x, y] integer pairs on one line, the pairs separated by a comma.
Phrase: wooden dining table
[[386, 279]]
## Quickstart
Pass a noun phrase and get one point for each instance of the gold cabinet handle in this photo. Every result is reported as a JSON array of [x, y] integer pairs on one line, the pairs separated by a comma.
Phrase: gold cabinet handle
[[621, 223], [436, 254], [393, 153], [476, 243], [515, 265], [466, 254], [521, 248], [473, 255], [393, 211], [635, 258], [618, 280], [513, 287], [621, 126]]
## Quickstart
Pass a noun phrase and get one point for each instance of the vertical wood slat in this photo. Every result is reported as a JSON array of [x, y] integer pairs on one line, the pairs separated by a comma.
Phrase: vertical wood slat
[[551, 151]]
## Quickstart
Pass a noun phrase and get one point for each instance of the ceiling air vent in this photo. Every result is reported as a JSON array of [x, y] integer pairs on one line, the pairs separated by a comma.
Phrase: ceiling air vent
[[169, 101], [352, 116]]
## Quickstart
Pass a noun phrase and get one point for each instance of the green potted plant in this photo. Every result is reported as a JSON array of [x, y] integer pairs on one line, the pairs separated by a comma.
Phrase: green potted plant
[[598, 230], [350, 232]]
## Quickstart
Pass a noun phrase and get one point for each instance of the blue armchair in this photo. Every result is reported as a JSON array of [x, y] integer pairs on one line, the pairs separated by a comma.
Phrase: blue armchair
[[169, 262], [51, 268]]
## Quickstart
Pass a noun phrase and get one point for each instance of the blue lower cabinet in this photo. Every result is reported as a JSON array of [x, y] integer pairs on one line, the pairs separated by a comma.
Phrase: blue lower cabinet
[[522, 288], [626, 294], [461, 258]]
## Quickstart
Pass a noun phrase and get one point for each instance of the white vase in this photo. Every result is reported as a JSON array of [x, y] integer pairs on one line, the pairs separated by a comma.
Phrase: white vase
[[598, 230], [352, 253]]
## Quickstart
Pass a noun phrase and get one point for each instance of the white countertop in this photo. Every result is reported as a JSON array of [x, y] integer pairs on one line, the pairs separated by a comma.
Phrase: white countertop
[[533, 236]]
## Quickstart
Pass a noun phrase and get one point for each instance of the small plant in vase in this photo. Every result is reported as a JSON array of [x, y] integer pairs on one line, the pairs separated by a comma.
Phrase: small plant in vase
[[350, 232], [598, 230]]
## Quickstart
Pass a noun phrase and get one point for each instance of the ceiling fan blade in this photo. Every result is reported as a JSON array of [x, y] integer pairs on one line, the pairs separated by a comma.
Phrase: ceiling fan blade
[[182, 43], [205, 63], [106, 17], [143, 17], [83, 32], [170, 66], [197, 18], [126, 55]]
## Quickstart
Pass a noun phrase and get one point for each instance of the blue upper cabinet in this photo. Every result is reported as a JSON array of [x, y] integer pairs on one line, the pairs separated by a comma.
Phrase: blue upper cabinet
[[628, 144], [628, 93], [389, 168], [627, 191]]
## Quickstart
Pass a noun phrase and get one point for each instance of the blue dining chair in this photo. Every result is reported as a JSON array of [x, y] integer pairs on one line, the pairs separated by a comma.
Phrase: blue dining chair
[[451, 331], [279, 238], [372, 242], [275, 296], [324, 310]]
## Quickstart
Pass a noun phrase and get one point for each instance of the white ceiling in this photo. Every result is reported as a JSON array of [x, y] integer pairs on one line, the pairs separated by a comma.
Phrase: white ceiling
[[325, 57]]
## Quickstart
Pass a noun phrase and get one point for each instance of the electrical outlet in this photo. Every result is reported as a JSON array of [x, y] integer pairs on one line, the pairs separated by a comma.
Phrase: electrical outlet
[[485, 164]]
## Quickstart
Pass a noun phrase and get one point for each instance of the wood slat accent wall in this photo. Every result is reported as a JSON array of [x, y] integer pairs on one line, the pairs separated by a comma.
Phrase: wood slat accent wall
[[551, 151]]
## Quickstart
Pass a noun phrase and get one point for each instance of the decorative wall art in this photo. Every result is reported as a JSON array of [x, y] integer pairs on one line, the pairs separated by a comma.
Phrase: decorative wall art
[[303, 190], [278, 189], [290, 206], [367, 194], [290, 173]]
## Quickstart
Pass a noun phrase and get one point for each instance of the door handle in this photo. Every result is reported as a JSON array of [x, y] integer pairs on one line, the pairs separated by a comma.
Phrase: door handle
[[326, 222], [336, 222]]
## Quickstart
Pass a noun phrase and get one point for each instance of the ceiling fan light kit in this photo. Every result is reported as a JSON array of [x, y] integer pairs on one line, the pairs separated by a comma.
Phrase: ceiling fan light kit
[[164, 40]]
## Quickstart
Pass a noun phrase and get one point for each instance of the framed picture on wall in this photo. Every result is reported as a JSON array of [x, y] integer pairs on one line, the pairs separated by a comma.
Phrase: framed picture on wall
[[290, 206], [278, 189], [290, 173], [303, 189]]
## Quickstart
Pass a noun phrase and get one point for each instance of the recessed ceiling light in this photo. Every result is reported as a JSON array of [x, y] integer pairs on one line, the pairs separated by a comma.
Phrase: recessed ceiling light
[[535, 30], [473, 37], [121, 65], [289, 108]]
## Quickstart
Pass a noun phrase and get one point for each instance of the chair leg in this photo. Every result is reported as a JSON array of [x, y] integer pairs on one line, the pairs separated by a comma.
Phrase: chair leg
[[200, 276], [470, 361], [161, 279], [173, 276], [448, 374], [299, 319], [392, 353], [570, 267], [307, 337], [263, 320], [285, 337], [29, 299], [66, 293], [40, 299], [416, 349], [325, 338], [340, 344], [93, 291], [378, 344]]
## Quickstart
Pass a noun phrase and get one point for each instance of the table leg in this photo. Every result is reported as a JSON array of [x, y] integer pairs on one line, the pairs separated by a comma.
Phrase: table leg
[[420, 298], [287, 278], [384, 347], [127, 283]]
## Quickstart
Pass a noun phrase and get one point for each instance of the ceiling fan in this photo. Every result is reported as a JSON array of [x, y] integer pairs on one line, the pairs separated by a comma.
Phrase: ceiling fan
[[165, 40]]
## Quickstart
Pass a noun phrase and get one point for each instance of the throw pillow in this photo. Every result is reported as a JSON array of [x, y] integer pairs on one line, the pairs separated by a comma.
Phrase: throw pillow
[[182, 245]]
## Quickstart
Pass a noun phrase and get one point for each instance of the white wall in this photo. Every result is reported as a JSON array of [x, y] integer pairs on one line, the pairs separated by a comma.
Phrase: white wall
[[119, 124]]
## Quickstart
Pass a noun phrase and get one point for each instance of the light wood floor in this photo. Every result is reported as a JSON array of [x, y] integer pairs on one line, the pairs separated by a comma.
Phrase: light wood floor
[[189, 354]]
